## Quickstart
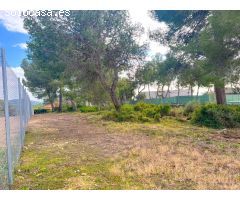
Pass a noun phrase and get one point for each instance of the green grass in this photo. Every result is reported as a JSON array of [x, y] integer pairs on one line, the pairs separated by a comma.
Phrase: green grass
[[127, 155], [50, 170], [3, 169]]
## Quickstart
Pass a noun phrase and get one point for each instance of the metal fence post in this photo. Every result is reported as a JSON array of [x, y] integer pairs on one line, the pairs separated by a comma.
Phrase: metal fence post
[[20, 111], [7, 118]]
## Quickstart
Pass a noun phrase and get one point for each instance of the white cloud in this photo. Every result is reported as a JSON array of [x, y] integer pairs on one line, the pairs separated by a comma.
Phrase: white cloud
[[12, 21], [21, 45], [19, 72], [144, 18], [155, 47]]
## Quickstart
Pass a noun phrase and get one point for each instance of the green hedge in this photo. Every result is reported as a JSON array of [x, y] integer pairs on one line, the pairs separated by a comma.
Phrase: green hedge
[[217, 116], [86, 109], [141, 112], [40, 111], [190, 107]]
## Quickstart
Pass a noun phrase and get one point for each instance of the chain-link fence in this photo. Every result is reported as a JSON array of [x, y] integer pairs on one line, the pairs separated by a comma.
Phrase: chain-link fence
[[15, 111], [231, 99]]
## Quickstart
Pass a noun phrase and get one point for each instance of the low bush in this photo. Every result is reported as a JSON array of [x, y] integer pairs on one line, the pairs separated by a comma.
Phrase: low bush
[[40, 111], [141, 112], [86, 109], [164, 109], [67, 108], [127, 108], [142, 106], [217, 116], [126, 116], [189, 108], [176, 111]]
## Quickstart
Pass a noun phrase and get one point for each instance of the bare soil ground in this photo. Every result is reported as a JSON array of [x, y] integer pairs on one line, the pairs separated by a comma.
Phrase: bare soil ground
[[80, 151]]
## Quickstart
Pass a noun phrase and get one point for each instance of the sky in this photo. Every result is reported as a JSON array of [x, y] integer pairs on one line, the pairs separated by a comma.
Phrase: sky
[[13, 37]]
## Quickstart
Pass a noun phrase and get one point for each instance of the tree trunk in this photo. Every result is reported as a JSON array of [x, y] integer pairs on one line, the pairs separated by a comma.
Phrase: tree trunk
[[162, 91], [208, 90], [191, 89], [167, 91], [178, 93], [73, 105], [110, 89], [60, 100], [51, 102], [115, 100], [198, 91], [158, 86], [220, 94], [52, 106], [140, 91], [149, 91]]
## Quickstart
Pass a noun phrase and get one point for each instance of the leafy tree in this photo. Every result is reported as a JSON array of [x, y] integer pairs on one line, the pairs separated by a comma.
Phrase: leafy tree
[[103, 43], [220, 42], [45, 48], [140, 79], [183, 25], [213, 45], [39, 82], [167, 71], [125, 90], [145, 75]]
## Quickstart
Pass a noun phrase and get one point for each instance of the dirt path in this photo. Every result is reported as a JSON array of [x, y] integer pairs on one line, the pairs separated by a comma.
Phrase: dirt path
[[78, 129], [79, 151]]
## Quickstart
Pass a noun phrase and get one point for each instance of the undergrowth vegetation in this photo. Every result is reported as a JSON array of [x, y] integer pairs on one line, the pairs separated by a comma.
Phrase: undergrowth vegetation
[[140, 112], [189, 108], [217, 116], [209, 115], [85, 109], [97, 154]]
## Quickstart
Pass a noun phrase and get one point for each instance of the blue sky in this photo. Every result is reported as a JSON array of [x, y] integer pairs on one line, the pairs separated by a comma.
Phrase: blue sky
[[13, 43]]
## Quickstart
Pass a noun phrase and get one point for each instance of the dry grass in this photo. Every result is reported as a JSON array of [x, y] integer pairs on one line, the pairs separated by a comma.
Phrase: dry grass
[[80, 151]]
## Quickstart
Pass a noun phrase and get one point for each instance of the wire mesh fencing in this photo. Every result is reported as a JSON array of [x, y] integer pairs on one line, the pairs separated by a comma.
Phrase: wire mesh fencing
[[231, 99], [15, 112]]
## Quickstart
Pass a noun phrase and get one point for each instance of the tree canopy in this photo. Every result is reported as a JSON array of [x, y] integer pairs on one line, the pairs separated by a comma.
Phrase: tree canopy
[[80, 57]]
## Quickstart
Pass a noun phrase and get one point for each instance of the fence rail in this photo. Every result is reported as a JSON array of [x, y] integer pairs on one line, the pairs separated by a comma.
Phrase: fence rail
[[232, 99], [15, 112]]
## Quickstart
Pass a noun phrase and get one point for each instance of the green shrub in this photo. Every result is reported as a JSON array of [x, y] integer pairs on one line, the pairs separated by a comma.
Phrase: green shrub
[[157, 117], [164, 110], [141, 112], [150, 112], [140, 106], [217, 116], [124, 116], [142, 118], [190, 107], [67, 108], [40, 111], [176, 111], [127, 108], [120, 116], [86, 109]]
